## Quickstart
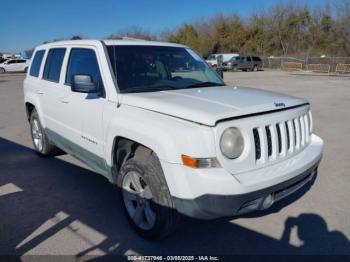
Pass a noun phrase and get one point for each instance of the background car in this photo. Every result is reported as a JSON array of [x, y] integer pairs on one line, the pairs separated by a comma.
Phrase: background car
[[14, 65], [212, 59], [244, 63]]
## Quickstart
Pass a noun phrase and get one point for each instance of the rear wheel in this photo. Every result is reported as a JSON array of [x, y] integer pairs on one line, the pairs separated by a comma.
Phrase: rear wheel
[[40, 141], [26, 70], [146, 198], [234, 68], [255, 68]]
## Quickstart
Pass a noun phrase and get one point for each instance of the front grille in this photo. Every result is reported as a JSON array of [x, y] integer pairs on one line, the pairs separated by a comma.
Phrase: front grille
[[277, 140]]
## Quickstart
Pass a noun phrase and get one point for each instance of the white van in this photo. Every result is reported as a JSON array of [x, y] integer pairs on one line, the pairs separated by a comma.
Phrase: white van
[[212, 59]]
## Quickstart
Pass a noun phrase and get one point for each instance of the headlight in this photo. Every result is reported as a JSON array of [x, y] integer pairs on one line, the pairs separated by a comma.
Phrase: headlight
[[231, 143]]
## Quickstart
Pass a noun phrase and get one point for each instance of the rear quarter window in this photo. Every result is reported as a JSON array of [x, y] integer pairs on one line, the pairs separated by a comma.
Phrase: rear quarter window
[[256, 58], [53, 64], [36, 64]]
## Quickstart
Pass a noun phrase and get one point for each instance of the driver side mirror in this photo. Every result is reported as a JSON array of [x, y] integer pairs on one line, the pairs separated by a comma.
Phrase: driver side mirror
[[83, 84]]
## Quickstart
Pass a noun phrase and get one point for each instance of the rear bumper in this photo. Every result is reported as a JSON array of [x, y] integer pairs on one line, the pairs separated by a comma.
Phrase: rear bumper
[[215, 206]]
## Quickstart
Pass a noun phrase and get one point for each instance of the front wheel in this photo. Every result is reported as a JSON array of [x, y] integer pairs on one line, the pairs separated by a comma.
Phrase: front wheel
[[146, 198], [2, 70]]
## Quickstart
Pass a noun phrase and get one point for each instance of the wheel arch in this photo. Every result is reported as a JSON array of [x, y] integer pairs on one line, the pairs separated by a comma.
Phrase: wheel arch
[[29, 109], [124, 149], [31, 102]]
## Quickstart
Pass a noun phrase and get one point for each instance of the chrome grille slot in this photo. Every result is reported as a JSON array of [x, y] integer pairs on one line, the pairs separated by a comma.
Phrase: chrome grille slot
[[302, 130]]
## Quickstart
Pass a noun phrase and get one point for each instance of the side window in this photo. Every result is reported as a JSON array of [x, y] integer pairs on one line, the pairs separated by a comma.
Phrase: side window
[[21, 61], [53, 64], [83, 61], [11, 62], [35, 67], [249, 59]]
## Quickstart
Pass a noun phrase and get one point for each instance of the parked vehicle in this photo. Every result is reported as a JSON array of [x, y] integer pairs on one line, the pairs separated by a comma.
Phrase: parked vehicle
[[244, 63], [14, 65], [212, 59], [157, 121]]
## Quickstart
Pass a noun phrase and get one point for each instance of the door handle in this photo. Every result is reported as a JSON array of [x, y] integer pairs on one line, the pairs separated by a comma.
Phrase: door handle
[[39, 92], [64, 100]]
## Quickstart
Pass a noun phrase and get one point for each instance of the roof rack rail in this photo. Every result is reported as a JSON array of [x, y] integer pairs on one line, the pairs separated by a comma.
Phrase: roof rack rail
[[132, 38]]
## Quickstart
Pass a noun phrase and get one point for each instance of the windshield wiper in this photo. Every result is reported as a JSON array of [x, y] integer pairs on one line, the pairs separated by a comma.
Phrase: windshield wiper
[[204, 84]]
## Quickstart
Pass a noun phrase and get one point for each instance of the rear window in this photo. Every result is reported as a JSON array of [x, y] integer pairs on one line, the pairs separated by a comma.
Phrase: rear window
[[255, 58], [35, 67], [53, 64]]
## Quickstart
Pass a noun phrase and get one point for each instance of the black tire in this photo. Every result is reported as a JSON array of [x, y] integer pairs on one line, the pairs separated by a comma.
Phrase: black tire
[[2, 70], [255, 68], [47, 148], [26, 70], [167, 218], [234, 68]]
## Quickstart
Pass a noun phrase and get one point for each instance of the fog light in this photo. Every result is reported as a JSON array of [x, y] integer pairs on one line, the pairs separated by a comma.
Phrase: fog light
[[268, 201]]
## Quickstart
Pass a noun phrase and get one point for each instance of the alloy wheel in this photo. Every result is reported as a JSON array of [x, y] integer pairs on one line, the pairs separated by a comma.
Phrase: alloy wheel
[[137, 198]]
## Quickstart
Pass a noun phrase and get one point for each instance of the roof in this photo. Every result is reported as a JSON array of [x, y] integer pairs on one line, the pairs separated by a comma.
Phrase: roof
[[109, 42]]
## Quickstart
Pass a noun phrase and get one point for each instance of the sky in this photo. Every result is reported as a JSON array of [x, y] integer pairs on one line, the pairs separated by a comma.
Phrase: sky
[[27, 23]]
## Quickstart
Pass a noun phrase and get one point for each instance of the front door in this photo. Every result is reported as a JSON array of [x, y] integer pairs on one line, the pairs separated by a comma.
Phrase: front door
[[84, 112]]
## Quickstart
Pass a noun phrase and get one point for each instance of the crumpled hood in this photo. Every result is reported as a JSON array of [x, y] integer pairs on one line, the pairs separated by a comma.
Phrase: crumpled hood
[[210, 104]]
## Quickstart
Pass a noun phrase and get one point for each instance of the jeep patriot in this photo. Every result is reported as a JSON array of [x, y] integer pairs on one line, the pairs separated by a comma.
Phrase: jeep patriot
[[157, 121]]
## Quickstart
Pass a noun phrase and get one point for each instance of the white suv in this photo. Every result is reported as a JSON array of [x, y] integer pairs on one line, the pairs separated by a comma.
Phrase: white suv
[[157, 121]]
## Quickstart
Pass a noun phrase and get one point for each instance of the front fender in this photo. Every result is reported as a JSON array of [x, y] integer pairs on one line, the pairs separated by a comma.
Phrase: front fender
[[167, 136]]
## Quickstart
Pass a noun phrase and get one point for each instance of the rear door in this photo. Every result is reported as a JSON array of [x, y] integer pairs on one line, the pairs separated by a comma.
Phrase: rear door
[[242, 63], [51, 89], [21, 64]]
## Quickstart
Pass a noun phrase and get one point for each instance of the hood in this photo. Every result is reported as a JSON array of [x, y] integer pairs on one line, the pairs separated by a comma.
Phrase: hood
[[210, 104]]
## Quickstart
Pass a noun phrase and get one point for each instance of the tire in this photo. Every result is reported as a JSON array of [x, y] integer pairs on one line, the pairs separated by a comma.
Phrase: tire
[[234, 68], [255, 68], [26, 70], [2, 70], [159, 217], [40, 141]]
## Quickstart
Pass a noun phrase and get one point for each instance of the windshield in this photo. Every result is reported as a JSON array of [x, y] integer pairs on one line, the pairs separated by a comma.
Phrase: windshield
[[155, 68], [212, 57]]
